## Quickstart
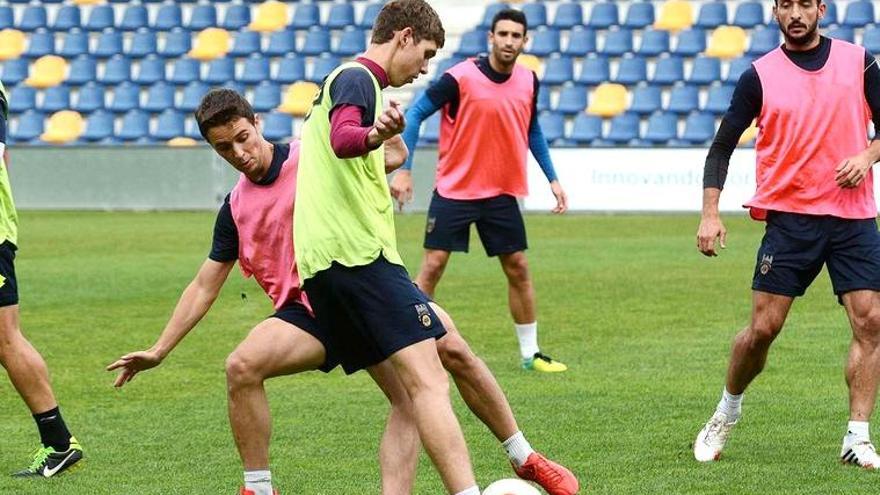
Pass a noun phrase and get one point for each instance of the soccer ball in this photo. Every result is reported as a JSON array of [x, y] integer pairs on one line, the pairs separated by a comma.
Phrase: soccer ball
[[510, 487]]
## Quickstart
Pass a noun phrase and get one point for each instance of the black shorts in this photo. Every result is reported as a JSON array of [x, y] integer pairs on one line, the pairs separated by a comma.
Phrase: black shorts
[[499, 223], [8, 283], [299, 316], [795, 246], [371, 311]]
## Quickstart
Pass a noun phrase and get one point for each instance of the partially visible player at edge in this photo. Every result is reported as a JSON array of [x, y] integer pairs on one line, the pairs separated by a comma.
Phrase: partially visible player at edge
[[489, 122], [813, 98], [23, 364]]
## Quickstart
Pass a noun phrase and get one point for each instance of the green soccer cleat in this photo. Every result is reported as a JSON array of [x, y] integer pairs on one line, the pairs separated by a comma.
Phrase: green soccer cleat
[[541, 362], [47, 462]]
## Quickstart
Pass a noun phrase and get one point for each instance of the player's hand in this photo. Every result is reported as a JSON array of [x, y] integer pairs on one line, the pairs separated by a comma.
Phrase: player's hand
[[561, 198], [402, 187], [390, 123], [851, 172], [133, 363], [711, 228]]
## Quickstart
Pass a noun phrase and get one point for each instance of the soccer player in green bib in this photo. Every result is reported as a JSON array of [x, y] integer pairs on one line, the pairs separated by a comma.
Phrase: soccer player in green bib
[[23, 364], [344, 231]]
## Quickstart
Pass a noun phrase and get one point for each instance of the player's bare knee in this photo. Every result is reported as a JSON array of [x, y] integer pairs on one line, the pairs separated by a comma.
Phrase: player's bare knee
[[762, 333], [866, 326], [455, 354], [241, 371], [516, 268], [434, 266]]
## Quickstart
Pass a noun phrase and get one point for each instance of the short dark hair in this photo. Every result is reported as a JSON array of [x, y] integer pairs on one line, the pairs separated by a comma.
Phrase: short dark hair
[[220, 107], [514, 15], [416, 14], [818, 2]]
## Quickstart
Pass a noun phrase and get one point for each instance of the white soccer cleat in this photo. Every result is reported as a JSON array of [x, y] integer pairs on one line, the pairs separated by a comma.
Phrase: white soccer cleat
[[713, 436], [859, 452]]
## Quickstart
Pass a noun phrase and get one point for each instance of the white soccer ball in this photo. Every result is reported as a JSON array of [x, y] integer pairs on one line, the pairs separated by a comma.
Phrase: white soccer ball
[[511, 487]]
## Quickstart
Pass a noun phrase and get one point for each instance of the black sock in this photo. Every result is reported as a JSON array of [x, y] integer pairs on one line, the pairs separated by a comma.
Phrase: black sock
[[53, 431]]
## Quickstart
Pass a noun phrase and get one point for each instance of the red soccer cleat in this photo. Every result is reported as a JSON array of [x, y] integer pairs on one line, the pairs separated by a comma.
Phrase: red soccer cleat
[[248, 492], [554, 478]]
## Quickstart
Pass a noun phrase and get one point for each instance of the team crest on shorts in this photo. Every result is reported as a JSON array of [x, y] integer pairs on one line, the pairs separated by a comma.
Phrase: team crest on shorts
[[432, 221], [766, 264], [424, 315]]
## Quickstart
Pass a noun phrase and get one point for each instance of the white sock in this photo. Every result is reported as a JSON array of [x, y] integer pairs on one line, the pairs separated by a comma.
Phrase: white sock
[[474, 490], [259, 482], [527, 334], [518, 449], [730, 405], [859, 429]]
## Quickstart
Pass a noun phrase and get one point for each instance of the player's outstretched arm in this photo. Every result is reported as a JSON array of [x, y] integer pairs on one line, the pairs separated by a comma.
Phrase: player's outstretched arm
[[851, 172], [711, 226], [193, 304], [401, 183]]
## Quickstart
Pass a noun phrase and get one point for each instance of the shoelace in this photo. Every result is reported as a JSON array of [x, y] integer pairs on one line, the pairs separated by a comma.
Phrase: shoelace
[[40, 456], [555, 476], [545, 357], [716, 427]]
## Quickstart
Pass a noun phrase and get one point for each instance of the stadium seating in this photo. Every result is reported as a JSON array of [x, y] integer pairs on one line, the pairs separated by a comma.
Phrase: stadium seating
[[47, 71], [631, 70], [586, 129], [859, 13], [271, 16], [646, 100], [558, 70], [99, 127], [675, 15], [608, 100], [712, 15], [63, 127], [56, 99], [639, 15], [727, 42], [12, 44], [210, 44], [662, 128], [654, 42], [699, 128]]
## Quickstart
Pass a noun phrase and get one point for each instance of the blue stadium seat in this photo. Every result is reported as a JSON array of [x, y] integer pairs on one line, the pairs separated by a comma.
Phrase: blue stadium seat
[[277, 126], [143, 43], [431, 129], [321, 67], [245, 43], [624, 128], [76, 43], [99, 126], [116, 70], [631, 71], [109, 44], [282, 42], [581, 42], [736, 68], [603, 15], [341, 16], [705, 70], [639, 15], [859, 13], [831, 16], [646, 100], [488, 14], [126, 96], [662, 128], [472, 43], [683, 99], [41, 43], [267, 96], [82, 70], [543, 102], [33, 18], [220, 70], [654, 42], [135, 125], [22, 98], [169, 16], [306, 16], [237, 16], [317, 41], [202, 17], [100, 18], [594, 71], [14, 71], [712, 15], [7, 17], [256, 69], [748, 14], [29, 128], [352, 42], [718, 99], [572, 99], [842, 33], [169, 125], [192, 96], [871, 39], [668, 71], [151, 70], [617, 42], [544, 42], [134, 17], [67, 18], [558, 70], [690, 42], [369, 15], [536, 14], [699, 128], [568, 15], [177, 43], [89, 98], [291, 68], [763, 40], [586, 129], [186, 70], [159, 97], [553, 125]]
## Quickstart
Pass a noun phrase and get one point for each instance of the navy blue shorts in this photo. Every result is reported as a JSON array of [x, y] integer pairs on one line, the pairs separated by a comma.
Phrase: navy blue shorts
[[795, 246], [9, 285], [371, 311], [298, 315], [499, 223]]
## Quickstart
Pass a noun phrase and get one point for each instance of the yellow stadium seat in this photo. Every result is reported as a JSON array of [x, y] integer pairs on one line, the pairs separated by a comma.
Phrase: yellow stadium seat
[[530, 62], [47, 71], [87, 2], [182, 142], [675, 15], [749, 135], [63, 127], [298, 98], [727, 42], [608, 100], [11, 44], [210, 44], [271, 16]]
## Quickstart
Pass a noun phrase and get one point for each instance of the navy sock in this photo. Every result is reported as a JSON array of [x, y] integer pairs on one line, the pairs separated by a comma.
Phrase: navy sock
[[53, 431]]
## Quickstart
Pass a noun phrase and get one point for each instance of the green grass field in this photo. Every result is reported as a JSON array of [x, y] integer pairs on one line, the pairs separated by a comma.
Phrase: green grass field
[[642, 319]]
